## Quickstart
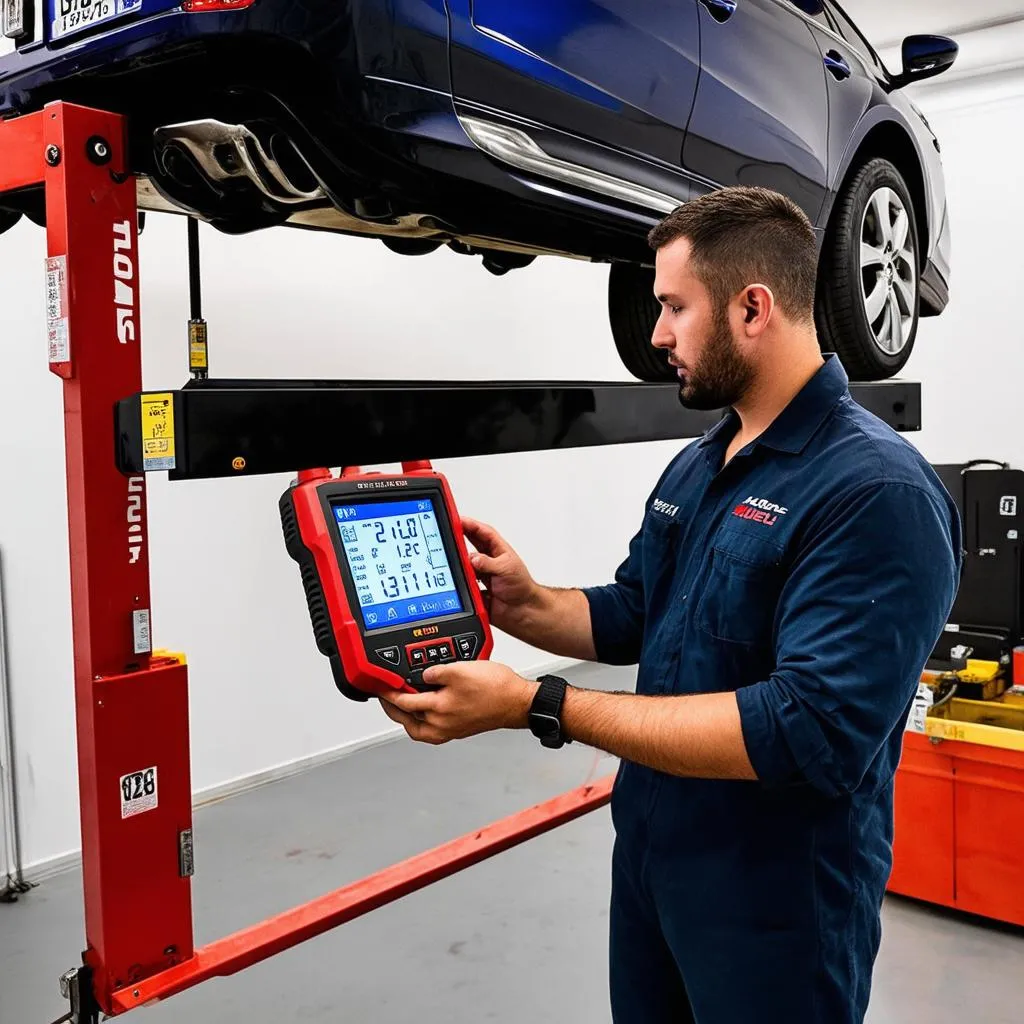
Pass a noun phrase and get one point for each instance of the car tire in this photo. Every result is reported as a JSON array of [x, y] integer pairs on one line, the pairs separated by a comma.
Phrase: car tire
[[868, 295], [633, 311]]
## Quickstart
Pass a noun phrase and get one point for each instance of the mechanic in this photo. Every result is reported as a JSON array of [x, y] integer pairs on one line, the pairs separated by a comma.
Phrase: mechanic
[[794, 568]]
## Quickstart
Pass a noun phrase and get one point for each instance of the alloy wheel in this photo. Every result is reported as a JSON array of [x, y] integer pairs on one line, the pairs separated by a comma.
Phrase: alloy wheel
[[888, 267]]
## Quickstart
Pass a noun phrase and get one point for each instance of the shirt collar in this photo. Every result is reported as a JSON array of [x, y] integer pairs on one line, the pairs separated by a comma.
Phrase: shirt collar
[[797, 423]]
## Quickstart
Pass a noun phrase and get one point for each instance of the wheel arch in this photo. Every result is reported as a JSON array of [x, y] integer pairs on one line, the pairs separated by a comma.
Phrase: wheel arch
[[890, 139]]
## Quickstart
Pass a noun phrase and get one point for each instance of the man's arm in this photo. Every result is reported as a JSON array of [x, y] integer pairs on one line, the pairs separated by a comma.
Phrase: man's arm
[[859, 614], [698, 736], [861, 611], [555, 620], [598, 624]]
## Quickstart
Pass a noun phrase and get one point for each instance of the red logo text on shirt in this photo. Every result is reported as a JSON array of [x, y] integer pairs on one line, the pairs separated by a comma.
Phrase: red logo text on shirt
[[760, 511]]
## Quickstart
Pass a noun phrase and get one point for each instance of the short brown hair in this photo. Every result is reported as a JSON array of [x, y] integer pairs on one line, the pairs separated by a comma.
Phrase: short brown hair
[[742, 235]]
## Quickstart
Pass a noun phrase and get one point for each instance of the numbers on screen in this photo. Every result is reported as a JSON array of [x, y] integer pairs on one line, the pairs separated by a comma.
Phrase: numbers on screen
[[406, 531]]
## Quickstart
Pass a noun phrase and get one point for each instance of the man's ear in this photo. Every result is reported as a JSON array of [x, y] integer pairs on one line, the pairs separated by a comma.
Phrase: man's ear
[[757, 303]]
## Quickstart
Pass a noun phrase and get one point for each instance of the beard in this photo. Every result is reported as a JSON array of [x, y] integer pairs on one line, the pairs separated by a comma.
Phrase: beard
[[721, 376]]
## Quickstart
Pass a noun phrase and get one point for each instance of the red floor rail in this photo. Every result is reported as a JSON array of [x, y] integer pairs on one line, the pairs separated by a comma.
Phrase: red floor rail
[[250, 946]]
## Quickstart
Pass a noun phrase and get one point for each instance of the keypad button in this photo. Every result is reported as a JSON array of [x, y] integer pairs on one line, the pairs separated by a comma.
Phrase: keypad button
[[392, 655], [467, 644], [417, 656]]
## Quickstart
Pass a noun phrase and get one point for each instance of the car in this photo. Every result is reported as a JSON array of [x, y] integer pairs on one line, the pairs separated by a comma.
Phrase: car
[[509, 129]]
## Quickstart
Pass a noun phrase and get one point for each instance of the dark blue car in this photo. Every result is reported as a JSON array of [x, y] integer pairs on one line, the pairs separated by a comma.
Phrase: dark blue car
[[509, 129]]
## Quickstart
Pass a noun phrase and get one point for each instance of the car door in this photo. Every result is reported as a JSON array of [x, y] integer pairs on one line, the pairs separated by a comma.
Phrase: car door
[[614, 72], [761, 115], [853, 75]]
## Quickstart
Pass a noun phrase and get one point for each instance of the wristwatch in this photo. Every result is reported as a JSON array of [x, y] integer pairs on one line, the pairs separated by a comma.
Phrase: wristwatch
[[546, 712]]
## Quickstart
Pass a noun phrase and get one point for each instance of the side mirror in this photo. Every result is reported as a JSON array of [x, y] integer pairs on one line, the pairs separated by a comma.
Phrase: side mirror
[[925, 57]]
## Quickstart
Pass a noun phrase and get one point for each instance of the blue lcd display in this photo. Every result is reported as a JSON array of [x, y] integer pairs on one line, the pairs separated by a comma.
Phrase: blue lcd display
[[398, 561]]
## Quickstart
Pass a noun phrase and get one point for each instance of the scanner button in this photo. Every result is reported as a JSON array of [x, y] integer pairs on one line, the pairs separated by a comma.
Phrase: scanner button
[[467, 646], [392, 655]]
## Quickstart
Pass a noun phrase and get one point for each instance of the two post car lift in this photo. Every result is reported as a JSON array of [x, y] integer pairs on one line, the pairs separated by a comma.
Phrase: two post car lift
[[131, 701]]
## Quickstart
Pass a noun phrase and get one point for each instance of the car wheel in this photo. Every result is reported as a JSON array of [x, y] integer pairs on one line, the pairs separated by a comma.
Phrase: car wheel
[[868, 282], [633, 312]]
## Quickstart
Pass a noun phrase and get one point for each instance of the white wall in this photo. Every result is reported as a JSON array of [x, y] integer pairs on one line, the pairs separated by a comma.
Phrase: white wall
[[970, 359], [287, 303]]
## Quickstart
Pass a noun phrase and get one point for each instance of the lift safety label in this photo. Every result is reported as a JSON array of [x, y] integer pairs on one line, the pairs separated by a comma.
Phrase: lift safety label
[[138, 792], [140, 631], [57, 309], [157, 432]]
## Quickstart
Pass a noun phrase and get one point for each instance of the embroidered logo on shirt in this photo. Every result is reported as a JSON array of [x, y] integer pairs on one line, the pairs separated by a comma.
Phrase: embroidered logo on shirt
[[664, 507], [760, 511]]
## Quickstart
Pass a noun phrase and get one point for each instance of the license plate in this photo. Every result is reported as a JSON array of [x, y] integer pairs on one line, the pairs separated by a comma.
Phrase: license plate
[[70, 16]]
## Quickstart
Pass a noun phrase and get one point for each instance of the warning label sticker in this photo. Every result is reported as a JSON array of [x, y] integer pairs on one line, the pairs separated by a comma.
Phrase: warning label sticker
[[138, 792], [157, 432], [57, 337]]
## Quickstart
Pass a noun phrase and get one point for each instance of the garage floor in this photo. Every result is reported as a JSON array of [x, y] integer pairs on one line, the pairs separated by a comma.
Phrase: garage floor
[[518, 938]]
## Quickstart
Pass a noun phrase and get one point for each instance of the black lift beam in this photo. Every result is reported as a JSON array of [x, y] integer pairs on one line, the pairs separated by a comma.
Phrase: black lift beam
[[244, 427]]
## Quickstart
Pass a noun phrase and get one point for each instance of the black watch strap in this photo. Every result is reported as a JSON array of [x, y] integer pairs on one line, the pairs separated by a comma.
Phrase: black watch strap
[[546, 711]]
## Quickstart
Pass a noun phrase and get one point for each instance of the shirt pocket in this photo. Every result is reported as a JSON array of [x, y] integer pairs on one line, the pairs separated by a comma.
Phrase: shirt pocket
[[660, 553], [741, 590]]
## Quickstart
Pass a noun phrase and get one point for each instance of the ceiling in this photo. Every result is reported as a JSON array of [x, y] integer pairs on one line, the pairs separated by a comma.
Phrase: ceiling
[[886, 22]]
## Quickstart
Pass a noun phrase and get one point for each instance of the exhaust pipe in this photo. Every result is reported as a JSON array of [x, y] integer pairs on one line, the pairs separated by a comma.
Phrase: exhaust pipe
[[226, 152]]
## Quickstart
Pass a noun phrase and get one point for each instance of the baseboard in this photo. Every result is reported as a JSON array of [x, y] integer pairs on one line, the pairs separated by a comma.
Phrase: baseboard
[[285, 770], [42, 870]]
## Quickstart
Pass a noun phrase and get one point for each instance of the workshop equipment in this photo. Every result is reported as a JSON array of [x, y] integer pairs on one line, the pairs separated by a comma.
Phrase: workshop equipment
[[388, 580], [959, 815], [986, 620]]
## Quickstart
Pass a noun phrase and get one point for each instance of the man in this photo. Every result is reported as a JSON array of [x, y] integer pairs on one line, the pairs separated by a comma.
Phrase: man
[[794, 569]]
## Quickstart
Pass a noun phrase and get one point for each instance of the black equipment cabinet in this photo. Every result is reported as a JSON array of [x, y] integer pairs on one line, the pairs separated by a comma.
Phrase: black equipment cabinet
[[988, 611]]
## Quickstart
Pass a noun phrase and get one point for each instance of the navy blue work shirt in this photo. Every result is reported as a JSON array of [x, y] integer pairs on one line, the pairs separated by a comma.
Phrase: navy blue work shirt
[[812, 575]]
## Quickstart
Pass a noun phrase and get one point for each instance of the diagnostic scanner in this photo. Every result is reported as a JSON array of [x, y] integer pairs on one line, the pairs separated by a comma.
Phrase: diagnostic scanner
[[387, 575]]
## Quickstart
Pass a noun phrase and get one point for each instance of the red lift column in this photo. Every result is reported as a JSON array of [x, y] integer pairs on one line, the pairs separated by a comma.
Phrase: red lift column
[[132, 709]]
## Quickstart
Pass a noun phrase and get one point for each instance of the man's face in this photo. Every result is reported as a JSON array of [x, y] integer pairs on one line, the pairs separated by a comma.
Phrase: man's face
[[698, 338]]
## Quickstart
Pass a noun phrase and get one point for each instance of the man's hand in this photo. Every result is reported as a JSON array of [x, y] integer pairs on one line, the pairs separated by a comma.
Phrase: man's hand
[[510, 587], [557, 621], [474, 697]]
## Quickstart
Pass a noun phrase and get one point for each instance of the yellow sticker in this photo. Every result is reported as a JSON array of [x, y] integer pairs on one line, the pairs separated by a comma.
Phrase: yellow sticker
[[157, 431], [197, 346]]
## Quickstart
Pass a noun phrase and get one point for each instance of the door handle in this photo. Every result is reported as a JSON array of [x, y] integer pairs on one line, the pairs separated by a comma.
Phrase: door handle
[[836, 64], [720, 10]]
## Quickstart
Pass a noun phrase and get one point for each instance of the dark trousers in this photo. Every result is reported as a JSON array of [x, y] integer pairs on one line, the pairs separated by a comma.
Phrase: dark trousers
[[667, 970], [646, 984]]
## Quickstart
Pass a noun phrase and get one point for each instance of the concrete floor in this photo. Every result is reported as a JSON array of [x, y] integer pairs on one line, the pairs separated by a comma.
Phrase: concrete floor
[[518, 938]]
